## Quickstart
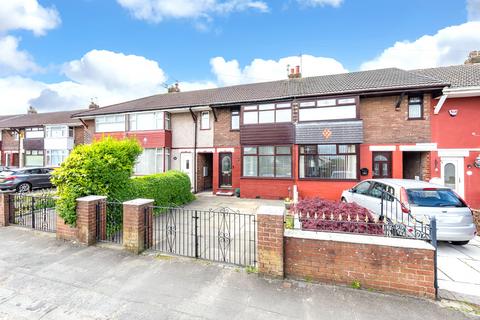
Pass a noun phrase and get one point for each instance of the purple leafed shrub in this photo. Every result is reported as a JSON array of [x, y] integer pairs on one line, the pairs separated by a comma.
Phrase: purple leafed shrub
[[325, 215]]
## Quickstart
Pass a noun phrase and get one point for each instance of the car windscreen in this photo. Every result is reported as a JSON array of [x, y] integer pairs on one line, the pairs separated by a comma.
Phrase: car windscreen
[[434, 198]]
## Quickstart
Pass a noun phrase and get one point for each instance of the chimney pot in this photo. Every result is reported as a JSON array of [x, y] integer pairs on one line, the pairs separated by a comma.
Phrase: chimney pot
[[297, 69], [31, 110]]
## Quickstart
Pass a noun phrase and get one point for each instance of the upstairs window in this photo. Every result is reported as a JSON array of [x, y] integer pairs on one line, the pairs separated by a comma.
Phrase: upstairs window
[[328, 109], [235, 123], [267, 113], [114, 123], [415, 107], [58, 132], [146, 121], [205, 120], [32, 133], [168, 125]]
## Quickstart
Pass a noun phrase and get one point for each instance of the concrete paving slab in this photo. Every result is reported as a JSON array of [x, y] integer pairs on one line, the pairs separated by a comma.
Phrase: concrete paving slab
[[457, 270], [48, 279]]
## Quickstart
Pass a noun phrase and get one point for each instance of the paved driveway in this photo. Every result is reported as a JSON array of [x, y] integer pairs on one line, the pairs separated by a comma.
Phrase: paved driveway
[[42, 278], [207, 200], [459, 271]]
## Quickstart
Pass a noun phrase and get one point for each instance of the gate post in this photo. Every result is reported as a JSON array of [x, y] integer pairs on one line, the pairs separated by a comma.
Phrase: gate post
[[4, 208], [134, 224], [87, 218], [270, 240]]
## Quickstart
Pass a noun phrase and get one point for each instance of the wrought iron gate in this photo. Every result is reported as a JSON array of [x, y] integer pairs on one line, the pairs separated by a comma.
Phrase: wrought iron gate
[[220, 235], [35, 211]]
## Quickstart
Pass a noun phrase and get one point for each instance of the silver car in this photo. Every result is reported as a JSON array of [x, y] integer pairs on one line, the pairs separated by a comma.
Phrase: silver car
[[420, 199]]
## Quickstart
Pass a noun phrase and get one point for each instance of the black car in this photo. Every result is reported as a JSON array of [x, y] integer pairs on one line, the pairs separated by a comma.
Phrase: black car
[[25, 179]]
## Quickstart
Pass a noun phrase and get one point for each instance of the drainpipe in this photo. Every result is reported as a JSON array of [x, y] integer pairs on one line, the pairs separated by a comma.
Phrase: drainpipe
[[194, 158]]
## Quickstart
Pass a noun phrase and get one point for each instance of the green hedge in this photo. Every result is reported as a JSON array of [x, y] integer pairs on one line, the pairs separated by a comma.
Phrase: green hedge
[[171, 188]]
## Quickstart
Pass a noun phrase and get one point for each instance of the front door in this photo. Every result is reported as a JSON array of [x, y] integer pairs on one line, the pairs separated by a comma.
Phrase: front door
[[186, 165], [452, 174], [225, 169], [382, 164]]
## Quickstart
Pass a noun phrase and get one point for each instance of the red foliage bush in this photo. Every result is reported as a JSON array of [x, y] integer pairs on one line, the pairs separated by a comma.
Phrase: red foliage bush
[[325, 215]]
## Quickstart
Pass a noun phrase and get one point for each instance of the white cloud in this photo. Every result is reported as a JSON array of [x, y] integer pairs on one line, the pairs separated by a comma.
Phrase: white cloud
[[28, 15], [158, 10], [12, 59], [473, 10], [321, 3], [259, 70], [448, 46], [16, 92]]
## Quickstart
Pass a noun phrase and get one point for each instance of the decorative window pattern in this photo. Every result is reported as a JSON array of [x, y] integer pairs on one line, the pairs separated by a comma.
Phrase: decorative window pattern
[[267, 113], [328, 161], [415, 107], [113, 123], [267, 161], [328, 109]]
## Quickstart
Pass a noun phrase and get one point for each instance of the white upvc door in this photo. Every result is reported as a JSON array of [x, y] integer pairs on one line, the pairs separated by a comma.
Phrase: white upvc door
[[453, 174], [186, 165]]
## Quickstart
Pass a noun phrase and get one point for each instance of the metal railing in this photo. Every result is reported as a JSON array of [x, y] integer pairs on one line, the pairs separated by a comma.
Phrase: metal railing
[[110, 225], [222, 235], [35, 211]]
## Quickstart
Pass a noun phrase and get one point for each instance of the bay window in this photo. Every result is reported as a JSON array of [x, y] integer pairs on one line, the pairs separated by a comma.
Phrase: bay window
[[152, 161], [267, 161], [33, 158], [267, 113], [113, 123], [328, 161], [54, 158]]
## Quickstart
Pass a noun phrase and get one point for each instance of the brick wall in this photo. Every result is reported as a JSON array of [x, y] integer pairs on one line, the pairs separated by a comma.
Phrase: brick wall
[[89, 133], [204, 183], [381, 267], [223, 136], [266, 188], [79, 135], [8, 141], [65, 231], [383, 124], [476, 219], [270, 242]]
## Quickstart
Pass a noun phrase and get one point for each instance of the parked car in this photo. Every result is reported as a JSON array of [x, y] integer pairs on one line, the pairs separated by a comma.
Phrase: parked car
[[420, 199], [25, 179]]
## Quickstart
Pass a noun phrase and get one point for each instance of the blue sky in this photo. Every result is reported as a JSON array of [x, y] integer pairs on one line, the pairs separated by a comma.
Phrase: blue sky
[[65, 53]]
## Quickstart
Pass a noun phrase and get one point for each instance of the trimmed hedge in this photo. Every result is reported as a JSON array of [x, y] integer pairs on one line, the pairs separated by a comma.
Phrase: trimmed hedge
[[171, 188]]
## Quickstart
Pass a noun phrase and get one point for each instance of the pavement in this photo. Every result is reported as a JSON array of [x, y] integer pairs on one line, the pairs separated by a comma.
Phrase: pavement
[[459, 271], [43, 278], [207, 200]]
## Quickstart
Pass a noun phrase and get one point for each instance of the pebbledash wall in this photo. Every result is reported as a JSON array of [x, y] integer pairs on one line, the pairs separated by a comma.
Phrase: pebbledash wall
[[404, 266]]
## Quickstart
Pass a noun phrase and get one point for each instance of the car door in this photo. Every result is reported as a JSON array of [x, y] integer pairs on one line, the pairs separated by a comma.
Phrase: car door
[[44, 178], [33, 176], [360, 193]]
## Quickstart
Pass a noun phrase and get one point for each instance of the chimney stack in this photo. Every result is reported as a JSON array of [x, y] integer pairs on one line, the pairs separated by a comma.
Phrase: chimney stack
[[174, 88], [32, 110], [295, 73], [473, 57], [93, 106]]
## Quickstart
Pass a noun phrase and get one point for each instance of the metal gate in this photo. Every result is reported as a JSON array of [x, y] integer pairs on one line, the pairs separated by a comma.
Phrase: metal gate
[[35, 211], [220, 235], [110, 224]]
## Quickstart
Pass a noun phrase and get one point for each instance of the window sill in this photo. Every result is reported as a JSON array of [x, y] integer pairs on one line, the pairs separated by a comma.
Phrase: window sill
[[410, 119]]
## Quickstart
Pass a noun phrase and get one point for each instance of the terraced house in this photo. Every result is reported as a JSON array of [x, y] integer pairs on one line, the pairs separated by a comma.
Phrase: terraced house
[[308, 136], [39, 139]]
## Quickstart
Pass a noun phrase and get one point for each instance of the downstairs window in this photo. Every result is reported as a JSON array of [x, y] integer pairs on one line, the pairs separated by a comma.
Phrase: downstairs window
[[329, 161]]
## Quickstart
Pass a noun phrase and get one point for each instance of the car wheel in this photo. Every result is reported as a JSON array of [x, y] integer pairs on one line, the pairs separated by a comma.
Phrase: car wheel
[[460, 243], [24, 187]]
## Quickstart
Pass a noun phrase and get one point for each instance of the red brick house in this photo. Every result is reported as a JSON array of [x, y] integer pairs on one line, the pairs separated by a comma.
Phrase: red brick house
[[268, 139], [455, 125]]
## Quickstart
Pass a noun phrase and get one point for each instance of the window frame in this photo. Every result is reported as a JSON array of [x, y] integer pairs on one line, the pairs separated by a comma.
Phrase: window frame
[[165, 119], [338, 103], [48, 156], [255, 108], [238, 111], [201, 120], [337, 145], [422, 107], [65, 131], [105, 117], [274, 155], [35, 129], [156, 152]]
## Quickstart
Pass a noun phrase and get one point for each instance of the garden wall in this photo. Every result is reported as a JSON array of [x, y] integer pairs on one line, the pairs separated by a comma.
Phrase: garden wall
[[387, 264]]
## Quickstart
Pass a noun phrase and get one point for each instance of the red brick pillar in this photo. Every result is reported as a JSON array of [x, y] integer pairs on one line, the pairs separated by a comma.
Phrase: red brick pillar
[[4, 208], [270, 240], [87, 217], [134, 224]]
